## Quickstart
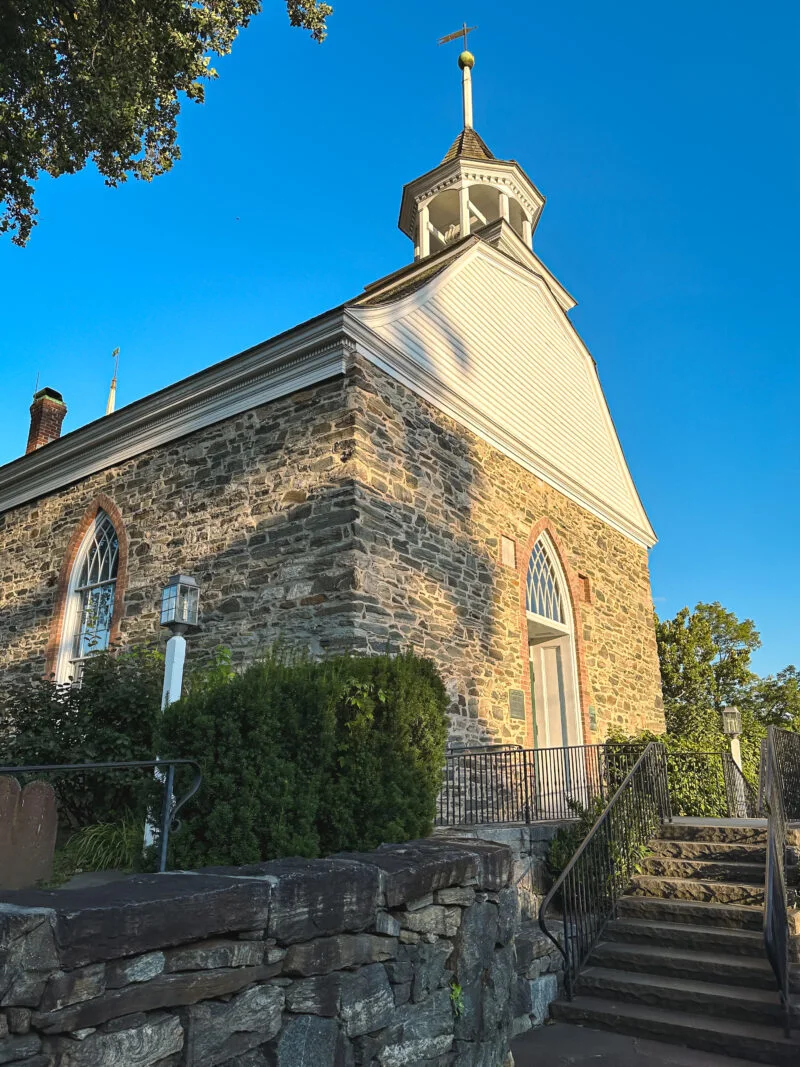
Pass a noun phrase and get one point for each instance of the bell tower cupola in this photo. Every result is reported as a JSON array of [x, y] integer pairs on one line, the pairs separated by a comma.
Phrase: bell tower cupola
[[470, 190]]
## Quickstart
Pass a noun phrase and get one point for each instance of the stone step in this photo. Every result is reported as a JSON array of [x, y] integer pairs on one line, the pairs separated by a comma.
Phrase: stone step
[[727, 1037], [648, 885], [695, 912], [705, 870], [754, 833], [685, 962], [719, 851], [682, 995], [732, 942]]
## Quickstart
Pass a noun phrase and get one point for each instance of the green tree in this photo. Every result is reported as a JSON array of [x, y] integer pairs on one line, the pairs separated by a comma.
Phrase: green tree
[[102, 80], [705, 665], [775, 700]]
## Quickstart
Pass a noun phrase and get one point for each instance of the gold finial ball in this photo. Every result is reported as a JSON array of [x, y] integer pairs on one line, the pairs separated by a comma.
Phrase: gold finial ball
[[466, 59]]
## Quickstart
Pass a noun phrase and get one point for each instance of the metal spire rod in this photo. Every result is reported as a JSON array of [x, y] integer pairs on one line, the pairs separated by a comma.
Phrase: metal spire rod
[[112, 392]]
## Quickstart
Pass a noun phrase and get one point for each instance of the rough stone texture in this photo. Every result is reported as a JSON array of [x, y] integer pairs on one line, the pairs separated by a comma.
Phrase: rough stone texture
[[307, 1041], [350, 515], [28, 828], [218, 1032], [338, 953], [337, 993], [130, 917], [141, 1046]]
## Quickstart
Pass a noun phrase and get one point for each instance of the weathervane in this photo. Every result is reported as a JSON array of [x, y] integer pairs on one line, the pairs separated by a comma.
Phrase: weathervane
[[466, 61], [465, 29]]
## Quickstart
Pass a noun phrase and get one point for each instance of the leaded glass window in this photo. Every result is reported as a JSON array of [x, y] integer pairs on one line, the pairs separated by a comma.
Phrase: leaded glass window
[[92, 596], [544, 592]]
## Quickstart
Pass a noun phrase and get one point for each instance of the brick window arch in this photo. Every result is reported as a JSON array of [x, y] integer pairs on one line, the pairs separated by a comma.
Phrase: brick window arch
[[90, 593]]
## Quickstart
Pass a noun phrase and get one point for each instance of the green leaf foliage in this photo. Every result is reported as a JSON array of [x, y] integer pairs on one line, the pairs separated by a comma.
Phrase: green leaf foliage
[[308, 758], [96, 80], [112, 716]]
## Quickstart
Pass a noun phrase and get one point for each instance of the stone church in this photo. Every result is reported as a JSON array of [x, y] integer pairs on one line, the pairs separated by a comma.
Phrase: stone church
[[433, 463]]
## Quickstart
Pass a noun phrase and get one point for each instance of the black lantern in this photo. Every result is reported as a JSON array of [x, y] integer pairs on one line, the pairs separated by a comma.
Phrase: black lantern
[[180, 603]]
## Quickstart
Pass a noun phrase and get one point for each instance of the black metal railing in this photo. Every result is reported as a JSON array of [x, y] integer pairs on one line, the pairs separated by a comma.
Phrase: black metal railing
[[506, 783], [601, 869], [709, 784], [781, 798], [165, 774]]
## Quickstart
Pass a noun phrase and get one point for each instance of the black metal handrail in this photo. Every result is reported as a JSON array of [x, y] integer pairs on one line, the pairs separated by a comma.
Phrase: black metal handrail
[[604, 863], [781, 767], [506, 783], [165, 773]]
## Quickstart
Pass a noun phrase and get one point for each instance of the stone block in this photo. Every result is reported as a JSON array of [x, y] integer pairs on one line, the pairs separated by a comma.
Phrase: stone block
[[142, 1046], [137, 969], [461, 896], [216, 953], [169, 990], [508, 915], [420, 1032], [147, 913], [28, 828], [28, 954], [73, 988], [367, 1002], [316, 898], [544, 991], [326, 954], [413, 870], [308, 1041], [430, 968], [434, 919], [17, 1020], [321, 995], [217, 1032], [19, 1047], [475, 942], [387, 924]]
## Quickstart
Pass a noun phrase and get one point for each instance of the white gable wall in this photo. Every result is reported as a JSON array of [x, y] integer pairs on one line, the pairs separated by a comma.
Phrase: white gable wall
[[487, 342]]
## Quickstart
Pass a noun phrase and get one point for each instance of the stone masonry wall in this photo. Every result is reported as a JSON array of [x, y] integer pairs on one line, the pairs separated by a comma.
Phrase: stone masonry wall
[[434, 501], [351, 515], [411, 956]]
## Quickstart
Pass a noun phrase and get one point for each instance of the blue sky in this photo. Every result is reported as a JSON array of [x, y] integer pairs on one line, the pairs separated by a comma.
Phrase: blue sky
[[666, 142]]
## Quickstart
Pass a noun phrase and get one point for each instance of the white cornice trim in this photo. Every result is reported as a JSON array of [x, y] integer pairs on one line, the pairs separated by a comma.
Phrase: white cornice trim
[[308, 355]]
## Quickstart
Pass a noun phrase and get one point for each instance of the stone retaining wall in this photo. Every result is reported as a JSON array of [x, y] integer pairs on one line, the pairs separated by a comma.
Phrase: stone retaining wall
[[411, 955]]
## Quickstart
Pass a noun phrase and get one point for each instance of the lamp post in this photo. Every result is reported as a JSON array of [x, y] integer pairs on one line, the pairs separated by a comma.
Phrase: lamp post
[[180, 602], [732, 728]]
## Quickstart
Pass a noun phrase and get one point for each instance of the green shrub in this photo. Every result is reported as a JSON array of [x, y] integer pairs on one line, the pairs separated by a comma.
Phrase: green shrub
[[307, 758], [694, 769], [112, 716], [568, 839]]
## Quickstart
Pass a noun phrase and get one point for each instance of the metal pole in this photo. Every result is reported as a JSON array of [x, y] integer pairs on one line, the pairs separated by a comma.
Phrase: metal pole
[[166, 817]]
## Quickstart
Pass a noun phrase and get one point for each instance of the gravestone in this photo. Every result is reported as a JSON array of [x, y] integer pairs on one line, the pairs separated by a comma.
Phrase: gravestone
[[28, 826]]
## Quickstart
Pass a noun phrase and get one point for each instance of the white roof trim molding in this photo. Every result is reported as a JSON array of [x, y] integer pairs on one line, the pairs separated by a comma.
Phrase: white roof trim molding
[[310, 354]]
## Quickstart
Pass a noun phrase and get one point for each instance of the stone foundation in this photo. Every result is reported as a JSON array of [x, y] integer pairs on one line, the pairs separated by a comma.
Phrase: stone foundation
[[409, 956]]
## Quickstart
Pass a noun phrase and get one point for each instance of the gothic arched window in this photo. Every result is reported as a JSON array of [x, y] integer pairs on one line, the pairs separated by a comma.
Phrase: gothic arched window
[[544, 596], [89, 607]]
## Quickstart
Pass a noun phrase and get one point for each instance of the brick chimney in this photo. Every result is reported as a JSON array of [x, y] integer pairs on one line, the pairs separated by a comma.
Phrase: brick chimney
[[47, 413]]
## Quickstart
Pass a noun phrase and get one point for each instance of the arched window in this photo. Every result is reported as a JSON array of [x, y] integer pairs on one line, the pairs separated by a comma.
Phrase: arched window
[[544, 595], [89, 607]]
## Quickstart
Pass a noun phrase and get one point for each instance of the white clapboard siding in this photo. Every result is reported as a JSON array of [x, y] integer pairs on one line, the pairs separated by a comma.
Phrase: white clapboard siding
[[512, 368]]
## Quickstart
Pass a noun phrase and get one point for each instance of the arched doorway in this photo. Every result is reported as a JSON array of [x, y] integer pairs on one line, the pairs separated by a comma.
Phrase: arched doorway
[[557, 718]]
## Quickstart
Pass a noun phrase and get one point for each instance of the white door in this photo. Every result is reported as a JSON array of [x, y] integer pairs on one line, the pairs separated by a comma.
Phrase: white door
[[559, 772]]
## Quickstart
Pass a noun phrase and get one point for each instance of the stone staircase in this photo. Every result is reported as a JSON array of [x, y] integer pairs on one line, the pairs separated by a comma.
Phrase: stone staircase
[[684, 959]]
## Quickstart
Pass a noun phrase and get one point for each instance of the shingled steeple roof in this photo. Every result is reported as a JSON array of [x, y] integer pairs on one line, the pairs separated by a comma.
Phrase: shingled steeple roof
[[469, 145]]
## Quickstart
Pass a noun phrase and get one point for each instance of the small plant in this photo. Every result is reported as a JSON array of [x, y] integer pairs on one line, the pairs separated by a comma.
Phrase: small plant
[[457, 999], [567, 840], [106, 846]]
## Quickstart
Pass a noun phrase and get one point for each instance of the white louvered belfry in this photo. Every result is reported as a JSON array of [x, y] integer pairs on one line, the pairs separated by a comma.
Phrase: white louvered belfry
[[543, 592]]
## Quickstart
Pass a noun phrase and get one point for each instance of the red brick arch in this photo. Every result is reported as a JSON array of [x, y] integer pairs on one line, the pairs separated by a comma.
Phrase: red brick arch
[[100, 503], [575, 596]]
